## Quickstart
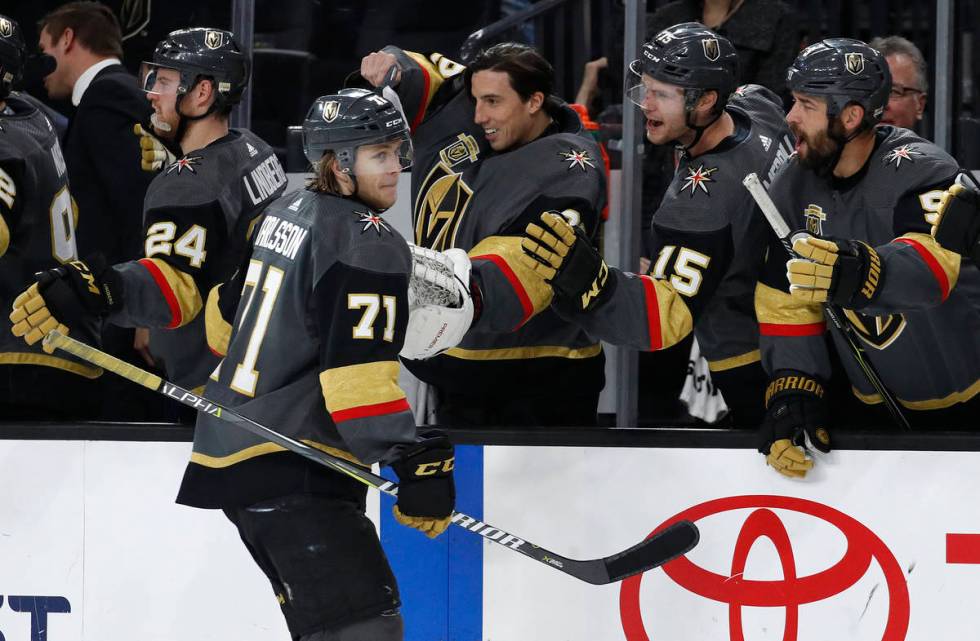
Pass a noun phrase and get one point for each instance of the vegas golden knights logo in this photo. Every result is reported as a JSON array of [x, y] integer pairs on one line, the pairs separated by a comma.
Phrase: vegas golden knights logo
[[854, 62], [331, 109], [6, 28], [814, 216], [444, 196], [213, 39], [877, 331], [711, 49]]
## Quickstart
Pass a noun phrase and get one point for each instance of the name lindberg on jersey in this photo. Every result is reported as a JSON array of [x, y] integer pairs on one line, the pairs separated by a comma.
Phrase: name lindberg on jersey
[[263, 181], [281, 236]]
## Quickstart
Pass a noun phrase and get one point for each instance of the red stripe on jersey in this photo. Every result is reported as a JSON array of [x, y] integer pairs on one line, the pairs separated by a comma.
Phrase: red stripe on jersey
[[653, 314], [168, 293], [778, 329], [366, 411], [931, 262], [425, 98], [514, 283]]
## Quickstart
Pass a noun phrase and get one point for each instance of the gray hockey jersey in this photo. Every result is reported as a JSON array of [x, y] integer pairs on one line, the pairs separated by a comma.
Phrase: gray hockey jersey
[[923, 331], [707, 247], [313, 352], [197, 216], [467, 196], [38, 218]]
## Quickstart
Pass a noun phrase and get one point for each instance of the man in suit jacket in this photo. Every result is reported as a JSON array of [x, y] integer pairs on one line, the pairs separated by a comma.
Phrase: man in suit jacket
[[101, 151]]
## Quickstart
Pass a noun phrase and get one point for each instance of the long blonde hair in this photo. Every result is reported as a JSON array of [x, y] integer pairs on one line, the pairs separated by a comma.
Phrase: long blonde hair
[[324, 179]]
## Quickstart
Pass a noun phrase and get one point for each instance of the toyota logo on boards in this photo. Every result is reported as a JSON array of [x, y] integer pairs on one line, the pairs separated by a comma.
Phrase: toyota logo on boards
[[824, 577]]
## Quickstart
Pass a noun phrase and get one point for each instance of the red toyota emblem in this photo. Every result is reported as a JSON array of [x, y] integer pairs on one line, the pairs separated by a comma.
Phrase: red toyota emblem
[[792, 591]]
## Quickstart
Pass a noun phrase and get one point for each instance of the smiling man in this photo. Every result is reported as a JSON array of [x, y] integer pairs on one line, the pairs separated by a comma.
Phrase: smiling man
[[494, 149]]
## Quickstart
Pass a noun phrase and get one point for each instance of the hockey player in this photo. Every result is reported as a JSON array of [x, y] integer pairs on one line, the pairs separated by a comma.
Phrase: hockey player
[[197, 215], [313, 352], [706, 242], [957, 225], [38, 219], [494, 150], [866, 198]]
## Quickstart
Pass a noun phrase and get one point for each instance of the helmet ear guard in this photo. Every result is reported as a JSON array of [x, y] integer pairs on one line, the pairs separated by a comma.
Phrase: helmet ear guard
[[688, 55], [353, 118], [843, 71], [201, 54]]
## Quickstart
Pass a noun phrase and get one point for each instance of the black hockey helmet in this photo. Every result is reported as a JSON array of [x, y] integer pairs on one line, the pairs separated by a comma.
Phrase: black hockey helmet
[[688, 55], [12, 55], [843, 70], [344, 121], [201, 53]]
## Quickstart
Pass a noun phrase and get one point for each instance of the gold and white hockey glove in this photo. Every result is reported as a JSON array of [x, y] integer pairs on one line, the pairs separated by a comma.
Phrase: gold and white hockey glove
[[844, 272], [565, 258], [154, 154]]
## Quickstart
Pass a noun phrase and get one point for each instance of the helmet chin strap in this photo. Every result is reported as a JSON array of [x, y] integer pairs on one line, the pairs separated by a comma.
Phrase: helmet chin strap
[[690, 100], [841, 141], [183, 119]]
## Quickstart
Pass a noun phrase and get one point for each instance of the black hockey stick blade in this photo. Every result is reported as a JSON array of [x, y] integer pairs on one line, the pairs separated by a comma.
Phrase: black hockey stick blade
[[659, 548]]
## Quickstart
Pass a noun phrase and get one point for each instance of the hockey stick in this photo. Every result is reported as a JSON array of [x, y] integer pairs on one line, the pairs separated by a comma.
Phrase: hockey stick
[[834, 312], [652, 552]]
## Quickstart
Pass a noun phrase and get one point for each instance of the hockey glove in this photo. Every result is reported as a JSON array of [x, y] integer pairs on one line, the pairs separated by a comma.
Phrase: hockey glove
[[154, 153], [795, 423], [426, 492], [958, 225], [845, 272], [72, 296], [564, 257], [442, 302]]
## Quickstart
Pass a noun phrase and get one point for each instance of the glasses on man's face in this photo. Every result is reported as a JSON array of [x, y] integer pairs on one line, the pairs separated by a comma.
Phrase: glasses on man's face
[[898, 91]]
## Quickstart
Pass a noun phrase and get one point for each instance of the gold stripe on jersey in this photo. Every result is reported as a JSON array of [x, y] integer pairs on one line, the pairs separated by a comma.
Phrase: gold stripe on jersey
[[218, 330], [672, 317], [4, 236], [266, 448], [178, 289], [529, 286], [361, 384], [735, 361], [519, 353], [928, 404], [946, 260], [776, 307], [27, 358]]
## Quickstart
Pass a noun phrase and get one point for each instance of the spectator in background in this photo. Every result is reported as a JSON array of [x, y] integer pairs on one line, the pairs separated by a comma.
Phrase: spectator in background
[[103, 157], [907, 101], [102, 154]]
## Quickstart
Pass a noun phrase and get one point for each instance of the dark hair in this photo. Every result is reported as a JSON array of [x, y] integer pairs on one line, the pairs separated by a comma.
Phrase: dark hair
[[527, 69], [93, 23]]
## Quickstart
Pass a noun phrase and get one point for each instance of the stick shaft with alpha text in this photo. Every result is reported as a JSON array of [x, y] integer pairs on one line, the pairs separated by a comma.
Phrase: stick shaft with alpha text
[[663, 546]]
